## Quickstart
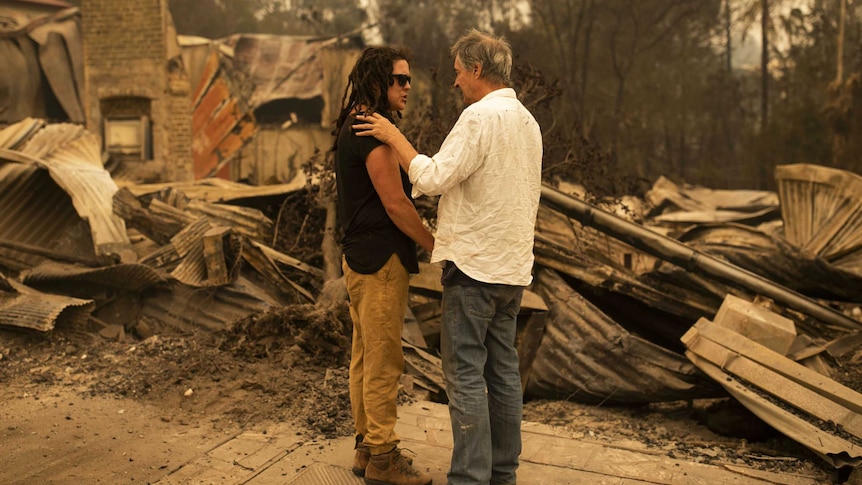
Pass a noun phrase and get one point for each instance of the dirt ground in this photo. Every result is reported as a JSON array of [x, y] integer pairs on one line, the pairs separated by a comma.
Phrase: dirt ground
[[86, 409]]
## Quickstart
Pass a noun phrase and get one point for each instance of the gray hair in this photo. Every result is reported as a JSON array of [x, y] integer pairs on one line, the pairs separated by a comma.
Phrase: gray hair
[[493, 53]]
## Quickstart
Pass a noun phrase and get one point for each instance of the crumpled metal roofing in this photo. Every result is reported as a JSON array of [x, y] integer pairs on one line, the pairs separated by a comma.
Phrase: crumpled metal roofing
[[691, 197], [695, 204], [131, 277], [279, 66], [773, 257], [72, 157], [186, 309], [587, 357], [49, 46], [22, 306], [822, 212]]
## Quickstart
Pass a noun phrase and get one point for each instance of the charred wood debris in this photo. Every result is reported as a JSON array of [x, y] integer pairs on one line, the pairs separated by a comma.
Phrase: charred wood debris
[[686, 293]]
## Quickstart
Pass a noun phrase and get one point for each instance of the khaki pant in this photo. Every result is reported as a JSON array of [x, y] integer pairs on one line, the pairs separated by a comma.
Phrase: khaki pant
[[377, 305]]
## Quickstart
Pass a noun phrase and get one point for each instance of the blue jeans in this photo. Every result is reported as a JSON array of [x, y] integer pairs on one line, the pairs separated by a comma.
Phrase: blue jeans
[[480, 365]]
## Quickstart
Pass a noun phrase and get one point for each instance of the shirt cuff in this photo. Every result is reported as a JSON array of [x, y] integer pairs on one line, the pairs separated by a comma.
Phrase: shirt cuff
[[417, 166]]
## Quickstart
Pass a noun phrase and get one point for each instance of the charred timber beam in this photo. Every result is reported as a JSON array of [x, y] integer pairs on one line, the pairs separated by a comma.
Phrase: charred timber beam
[[689, 259]]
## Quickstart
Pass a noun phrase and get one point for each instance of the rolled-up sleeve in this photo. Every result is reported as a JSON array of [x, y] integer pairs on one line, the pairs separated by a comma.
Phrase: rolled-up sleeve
[[457, 159]]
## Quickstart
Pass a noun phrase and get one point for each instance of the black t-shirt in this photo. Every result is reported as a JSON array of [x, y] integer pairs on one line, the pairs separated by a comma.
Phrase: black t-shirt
[[370, 236]]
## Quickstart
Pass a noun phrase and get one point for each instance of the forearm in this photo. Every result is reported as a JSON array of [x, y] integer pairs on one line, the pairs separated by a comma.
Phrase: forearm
[[405, 217]]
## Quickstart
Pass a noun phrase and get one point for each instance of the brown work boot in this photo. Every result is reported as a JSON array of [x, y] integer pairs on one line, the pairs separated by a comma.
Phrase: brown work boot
[[360, 459], [362, 455], [393, 469]]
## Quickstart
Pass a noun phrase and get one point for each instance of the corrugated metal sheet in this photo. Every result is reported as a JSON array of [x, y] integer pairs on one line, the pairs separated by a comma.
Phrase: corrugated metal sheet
[[72, 157], [774, 258], [185, 309], [193, 269], [37, 212], [131, 277], [587, 357], [13, 136], [43, 47], [222, 122], [279, 66], [22, 306], [694, 198], [236, 75], [277, 154], [822, 212]]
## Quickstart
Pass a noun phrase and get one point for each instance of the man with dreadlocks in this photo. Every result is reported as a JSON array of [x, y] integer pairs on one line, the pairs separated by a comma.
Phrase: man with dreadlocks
[[381, 230]]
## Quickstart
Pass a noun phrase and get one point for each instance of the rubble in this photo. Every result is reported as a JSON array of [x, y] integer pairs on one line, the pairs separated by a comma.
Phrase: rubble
[[616, 314]]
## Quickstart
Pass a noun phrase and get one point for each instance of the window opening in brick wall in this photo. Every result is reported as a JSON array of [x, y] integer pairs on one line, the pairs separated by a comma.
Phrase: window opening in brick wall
[[127, 128], [296, 110]]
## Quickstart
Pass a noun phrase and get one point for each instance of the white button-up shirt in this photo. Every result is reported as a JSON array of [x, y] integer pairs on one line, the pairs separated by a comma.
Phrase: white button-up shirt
[[488, 172]]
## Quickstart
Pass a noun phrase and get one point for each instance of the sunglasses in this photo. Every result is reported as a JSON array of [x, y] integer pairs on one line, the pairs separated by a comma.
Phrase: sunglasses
[[402, 79]]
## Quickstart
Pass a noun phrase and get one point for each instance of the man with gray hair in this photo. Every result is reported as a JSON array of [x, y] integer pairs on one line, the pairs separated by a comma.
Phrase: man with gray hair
[[488, 173]]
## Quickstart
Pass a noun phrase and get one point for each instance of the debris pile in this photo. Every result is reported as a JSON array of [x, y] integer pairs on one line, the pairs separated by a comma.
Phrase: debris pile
[[626, 305]]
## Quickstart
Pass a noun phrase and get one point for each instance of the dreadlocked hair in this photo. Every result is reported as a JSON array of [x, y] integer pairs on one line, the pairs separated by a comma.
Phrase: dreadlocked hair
[[368, 82]]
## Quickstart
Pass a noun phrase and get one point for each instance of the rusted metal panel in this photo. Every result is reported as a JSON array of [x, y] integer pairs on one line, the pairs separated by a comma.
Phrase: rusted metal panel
[[217, 94], [227, 149], [201, 59], [221, 125]]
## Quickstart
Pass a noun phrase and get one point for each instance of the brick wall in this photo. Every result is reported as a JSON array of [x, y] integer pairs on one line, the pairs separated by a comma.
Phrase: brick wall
[[125, 55]]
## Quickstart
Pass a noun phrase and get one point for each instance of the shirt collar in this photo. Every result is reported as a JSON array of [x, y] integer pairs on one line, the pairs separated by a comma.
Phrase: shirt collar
[[500, 93]]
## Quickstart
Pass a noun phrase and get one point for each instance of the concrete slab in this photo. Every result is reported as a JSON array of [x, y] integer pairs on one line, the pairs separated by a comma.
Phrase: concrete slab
[[551, 456]]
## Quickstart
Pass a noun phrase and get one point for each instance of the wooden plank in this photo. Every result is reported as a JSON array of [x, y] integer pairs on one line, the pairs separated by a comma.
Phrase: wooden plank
[[428, 279], [835, 450], [427, 311], [842, 345], [775, 384], [214, 255], [794, 371], [261, 261], [280, 257]]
